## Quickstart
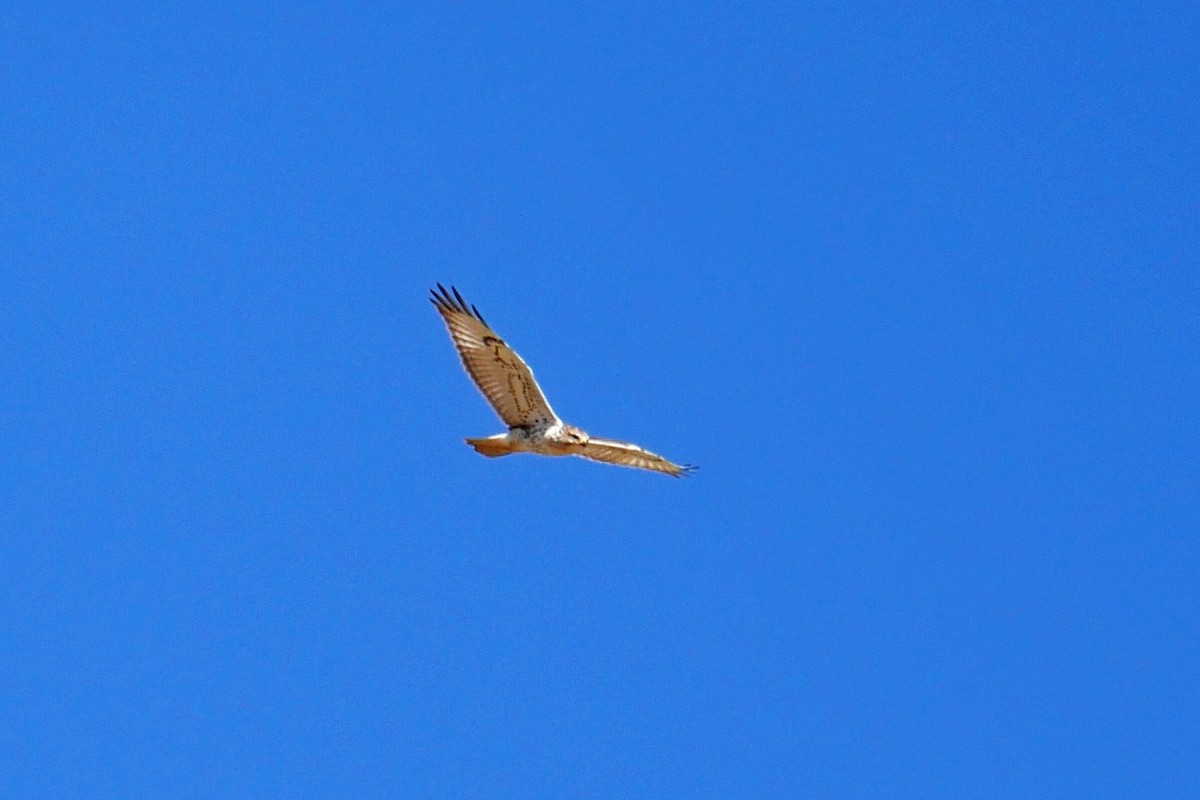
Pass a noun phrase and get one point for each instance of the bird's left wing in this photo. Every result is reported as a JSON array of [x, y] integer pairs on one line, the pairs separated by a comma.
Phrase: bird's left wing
[[630, 455], [504, 379]]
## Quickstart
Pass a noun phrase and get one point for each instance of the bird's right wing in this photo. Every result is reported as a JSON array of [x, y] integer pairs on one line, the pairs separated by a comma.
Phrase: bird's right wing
[[502, 377]]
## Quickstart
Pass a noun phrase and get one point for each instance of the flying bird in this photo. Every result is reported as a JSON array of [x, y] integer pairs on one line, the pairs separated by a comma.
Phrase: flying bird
[[507, 383]]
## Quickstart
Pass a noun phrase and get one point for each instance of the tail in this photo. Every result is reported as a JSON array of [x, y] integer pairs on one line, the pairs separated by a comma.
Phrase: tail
[[492, 447]]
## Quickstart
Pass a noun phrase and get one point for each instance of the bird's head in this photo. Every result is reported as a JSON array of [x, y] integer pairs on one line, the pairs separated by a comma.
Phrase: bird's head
[[574, 435]]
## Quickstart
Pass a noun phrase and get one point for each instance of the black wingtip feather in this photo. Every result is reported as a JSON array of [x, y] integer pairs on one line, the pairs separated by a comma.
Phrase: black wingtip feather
[[440, 300], [452, 300], [462, 304], [443, 299]]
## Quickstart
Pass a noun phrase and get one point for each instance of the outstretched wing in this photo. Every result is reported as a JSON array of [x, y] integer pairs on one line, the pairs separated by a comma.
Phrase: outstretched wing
[[630, 455], [503, 378]]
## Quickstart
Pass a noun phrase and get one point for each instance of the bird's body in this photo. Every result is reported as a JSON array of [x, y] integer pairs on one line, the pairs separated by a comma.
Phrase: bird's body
[[507, 383], [556, 439]]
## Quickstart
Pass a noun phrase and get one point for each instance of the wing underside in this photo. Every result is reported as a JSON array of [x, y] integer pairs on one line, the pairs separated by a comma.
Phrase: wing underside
[[627, 454], [504, 379]]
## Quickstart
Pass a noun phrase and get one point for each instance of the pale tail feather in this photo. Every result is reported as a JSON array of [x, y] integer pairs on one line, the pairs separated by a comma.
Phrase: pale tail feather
[[492, 448]]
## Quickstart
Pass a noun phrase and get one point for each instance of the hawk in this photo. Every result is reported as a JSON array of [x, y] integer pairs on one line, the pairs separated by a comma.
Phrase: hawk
[[508, 385]]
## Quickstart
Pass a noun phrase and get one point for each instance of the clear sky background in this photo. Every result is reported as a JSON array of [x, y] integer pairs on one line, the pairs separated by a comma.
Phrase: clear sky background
[[915, 284]]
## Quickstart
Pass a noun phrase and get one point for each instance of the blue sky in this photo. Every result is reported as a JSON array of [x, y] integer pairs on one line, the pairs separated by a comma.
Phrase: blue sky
[[914, 284]]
